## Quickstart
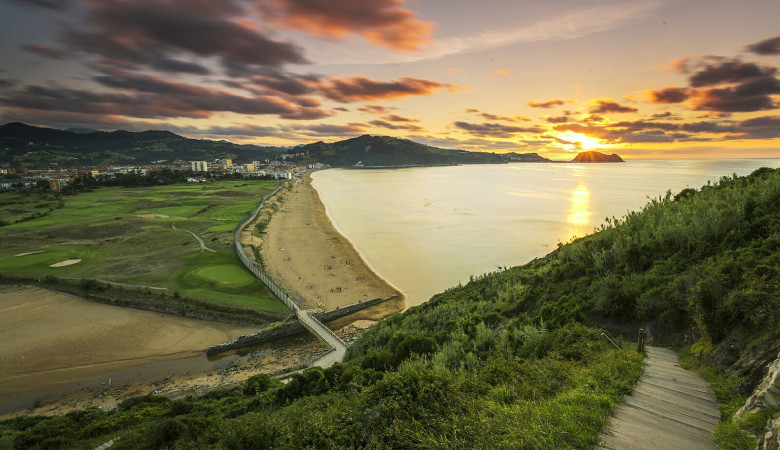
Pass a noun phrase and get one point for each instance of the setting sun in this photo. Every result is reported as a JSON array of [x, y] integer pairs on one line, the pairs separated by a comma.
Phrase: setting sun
[[576, 142]]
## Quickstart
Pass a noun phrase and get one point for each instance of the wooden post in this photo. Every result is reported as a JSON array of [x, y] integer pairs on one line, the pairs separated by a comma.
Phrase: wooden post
[[640, 342]]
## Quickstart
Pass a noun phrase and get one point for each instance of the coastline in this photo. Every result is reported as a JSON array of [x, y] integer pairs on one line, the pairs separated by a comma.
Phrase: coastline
[[312, 260]]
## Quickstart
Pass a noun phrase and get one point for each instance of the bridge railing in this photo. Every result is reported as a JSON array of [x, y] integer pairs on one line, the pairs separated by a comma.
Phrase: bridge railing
[[253, 265]]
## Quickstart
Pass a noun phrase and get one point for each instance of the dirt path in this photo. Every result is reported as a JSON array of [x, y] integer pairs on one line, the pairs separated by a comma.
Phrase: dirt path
[[200, 241], [670, 408]]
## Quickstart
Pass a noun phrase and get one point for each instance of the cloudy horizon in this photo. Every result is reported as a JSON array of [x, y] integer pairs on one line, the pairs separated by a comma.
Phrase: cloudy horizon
[[642, 78]]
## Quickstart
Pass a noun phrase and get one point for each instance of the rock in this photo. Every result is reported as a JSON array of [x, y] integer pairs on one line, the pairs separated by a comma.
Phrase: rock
[[771, 439], [766, 394]]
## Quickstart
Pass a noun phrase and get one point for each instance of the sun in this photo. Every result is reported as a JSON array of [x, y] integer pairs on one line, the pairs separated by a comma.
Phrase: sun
[[579, 141]]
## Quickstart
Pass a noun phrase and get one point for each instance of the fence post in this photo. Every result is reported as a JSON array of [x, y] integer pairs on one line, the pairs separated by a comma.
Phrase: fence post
[[640, 342]]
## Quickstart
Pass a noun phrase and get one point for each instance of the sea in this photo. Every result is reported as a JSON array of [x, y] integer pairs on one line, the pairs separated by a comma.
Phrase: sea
[[426, 229]]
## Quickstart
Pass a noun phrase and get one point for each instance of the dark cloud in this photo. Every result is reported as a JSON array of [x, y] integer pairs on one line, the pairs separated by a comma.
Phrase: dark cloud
[[381, 22], [395, 126], [397, 118], [153, 97], [751, 95], [669, 95], [49, 4], [330, 130], [558, 119], [729, 71], [547, 104], [767, 127], [666, 115], [495, 130], [46, 51], [376, 109], [604, 106], [489, 116], [349, 89], [769, 46], [143, 31]]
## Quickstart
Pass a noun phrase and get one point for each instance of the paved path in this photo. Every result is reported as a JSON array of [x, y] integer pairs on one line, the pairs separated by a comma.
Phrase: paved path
[[670, 408], [200, 241]]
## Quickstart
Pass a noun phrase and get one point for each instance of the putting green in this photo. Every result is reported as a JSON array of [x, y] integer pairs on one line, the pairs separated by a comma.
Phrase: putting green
[[224, 277]]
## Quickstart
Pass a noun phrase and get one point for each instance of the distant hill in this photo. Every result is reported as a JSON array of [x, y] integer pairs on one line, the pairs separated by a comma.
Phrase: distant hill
[[596, 157], [525, 157], [23, 145], [385, 151]]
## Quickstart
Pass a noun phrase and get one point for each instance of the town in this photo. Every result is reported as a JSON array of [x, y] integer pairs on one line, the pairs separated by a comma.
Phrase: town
[[195, 171]]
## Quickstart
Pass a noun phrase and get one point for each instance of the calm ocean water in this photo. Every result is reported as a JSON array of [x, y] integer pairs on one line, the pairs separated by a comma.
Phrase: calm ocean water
[[426, 229]]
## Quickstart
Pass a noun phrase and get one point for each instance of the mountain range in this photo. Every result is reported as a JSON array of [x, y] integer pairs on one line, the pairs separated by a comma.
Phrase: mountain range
[[23, 145]]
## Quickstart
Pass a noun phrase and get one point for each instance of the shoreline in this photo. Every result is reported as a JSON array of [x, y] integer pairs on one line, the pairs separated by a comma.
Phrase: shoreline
[[313, 261], [357, 249]]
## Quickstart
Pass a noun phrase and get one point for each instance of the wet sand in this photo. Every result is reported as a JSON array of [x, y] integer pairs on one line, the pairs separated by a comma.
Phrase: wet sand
[[307, 256], [49, 338]]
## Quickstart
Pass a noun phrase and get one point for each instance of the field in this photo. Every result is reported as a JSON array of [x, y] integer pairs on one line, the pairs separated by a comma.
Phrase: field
[[127, 235]]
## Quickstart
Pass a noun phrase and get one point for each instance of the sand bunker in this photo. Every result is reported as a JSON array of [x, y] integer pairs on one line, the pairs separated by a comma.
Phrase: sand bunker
[[29, 253], [152, 216], [67, 262]]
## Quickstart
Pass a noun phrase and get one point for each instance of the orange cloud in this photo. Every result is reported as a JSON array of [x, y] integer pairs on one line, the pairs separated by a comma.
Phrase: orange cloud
[[381, 22], [500, 72], [607, 105]]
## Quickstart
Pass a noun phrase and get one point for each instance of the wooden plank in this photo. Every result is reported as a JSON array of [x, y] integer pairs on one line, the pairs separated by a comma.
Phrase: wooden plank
[[663, 411], [642, 418], [676, 407], [653, 438], [672, 387], [690, 402], [680, 382]]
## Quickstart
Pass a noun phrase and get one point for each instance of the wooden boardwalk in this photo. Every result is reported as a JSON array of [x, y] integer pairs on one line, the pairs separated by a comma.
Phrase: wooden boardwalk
[[670, 408]]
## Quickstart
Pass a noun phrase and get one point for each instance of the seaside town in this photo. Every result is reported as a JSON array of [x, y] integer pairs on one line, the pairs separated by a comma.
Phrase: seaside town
[[58, 178]]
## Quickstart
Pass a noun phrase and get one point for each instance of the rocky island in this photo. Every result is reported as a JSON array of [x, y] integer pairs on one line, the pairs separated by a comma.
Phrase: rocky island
[[596, 157]]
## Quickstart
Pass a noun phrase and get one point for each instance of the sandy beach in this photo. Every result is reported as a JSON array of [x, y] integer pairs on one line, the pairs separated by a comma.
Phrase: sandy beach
[[307, 256]]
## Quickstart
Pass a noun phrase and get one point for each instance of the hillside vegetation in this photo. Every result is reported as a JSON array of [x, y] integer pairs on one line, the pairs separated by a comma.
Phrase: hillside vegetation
[[513, 359], [23, 145], [381, 151]]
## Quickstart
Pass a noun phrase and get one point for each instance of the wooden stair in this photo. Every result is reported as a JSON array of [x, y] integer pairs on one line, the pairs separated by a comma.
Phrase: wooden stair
[[670, 408]]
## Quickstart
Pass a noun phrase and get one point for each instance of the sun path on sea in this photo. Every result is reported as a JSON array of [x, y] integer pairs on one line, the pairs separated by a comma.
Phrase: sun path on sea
[[669, 408]]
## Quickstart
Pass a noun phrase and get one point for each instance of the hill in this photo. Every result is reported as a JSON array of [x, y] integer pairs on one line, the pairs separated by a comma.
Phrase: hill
[[596, 157], [385, 151], [28, 146], [23, 145], [513, 359]]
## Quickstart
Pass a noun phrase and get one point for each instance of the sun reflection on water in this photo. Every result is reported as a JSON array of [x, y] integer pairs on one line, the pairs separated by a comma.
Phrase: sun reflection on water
[[579, 209]]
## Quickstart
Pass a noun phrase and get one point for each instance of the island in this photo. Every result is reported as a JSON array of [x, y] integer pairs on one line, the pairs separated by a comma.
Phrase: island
[[596, 157]]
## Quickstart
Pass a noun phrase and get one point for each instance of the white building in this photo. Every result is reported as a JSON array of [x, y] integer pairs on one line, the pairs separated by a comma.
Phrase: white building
[[199, 166]]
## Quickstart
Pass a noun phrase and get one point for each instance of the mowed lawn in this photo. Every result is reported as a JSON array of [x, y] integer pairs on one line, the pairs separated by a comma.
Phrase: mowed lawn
[[126, 235]]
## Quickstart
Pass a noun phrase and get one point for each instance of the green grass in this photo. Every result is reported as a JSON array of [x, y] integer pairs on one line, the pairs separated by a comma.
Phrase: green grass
[[125, 235]]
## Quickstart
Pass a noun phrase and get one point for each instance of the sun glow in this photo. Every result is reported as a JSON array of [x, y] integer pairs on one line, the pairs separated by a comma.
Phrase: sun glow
[[579, 142]]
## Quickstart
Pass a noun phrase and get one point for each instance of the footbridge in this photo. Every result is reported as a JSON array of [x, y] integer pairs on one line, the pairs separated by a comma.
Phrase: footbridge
[[304, 317]]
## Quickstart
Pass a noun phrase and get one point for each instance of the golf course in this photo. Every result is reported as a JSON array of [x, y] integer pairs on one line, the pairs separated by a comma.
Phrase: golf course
[[175, 239]]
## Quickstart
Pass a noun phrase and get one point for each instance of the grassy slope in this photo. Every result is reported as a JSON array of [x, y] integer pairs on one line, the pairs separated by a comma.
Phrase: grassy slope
[[125, 235], [508, 360]]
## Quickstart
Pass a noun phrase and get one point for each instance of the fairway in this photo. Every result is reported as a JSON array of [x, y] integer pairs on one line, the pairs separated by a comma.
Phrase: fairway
[[125, 235]]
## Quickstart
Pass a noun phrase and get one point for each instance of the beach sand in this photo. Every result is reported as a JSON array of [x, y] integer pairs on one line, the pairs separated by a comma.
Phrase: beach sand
[[309, 258], [49, 338]]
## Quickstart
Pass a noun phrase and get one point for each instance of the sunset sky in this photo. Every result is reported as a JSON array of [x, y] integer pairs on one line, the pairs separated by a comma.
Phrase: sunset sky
[[648, 78]]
